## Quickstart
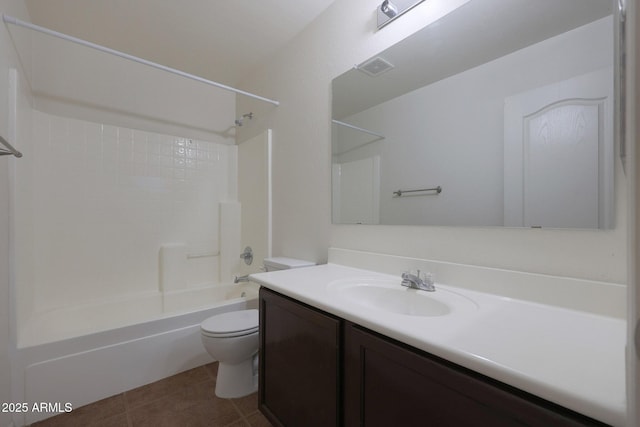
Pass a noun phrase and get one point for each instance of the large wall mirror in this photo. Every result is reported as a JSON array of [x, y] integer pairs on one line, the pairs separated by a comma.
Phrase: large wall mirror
[[502, 113]]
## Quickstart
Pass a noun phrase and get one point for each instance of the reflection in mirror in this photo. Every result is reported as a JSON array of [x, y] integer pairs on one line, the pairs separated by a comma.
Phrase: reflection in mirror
[[505, 105]]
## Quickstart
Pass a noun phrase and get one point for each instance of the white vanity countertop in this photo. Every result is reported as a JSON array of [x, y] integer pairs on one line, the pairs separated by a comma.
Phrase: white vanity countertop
[[572, 358]]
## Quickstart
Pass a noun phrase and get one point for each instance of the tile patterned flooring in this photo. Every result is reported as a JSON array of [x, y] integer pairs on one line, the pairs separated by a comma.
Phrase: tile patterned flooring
[[183, 400]]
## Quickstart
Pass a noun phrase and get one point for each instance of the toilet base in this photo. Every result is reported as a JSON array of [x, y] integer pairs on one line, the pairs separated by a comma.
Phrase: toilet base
[[237, 380]]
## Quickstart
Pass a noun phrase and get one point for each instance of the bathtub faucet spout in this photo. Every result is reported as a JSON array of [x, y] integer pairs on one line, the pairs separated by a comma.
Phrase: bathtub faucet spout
[[244, 278]]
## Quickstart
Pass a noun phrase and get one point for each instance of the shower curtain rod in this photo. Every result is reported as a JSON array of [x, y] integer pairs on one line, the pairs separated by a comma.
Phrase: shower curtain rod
[[11, 20], [349, 125]]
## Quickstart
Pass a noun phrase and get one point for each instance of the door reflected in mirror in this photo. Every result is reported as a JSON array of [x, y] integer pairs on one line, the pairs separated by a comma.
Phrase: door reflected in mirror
[[506, 105]]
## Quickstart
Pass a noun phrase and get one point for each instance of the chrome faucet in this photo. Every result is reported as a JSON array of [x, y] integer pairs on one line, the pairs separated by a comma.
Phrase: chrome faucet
[[415, 281], [244, 278]]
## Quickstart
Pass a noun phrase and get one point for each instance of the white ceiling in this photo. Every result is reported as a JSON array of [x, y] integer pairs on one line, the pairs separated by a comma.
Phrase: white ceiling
[[221, 40]]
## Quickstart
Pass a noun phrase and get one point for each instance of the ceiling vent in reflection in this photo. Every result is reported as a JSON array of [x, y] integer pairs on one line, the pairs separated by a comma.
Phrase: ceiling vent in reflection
[[375, 66]]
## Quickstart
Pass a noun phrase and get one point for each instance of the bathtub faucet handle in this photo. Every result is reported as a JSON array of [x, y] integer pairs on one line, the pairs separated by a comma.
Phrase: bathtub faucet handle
[[247, 255]]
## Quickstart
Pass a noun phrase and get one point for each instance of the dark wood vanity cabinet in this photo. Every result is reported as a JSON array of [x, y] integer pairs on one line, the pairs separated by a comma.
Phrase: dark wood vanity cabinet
[[319, 370], [300, 363], [387, 383]]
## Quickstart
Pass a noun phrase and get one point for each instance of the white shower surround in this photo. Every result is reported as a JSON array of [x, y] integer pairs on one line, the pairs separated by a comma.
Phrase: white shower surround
[[116, 196], [94, 204]]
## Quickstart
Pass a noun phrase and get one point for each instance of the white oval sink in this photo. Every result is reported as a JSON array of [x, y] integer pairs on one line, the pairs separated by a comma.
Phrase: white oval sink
[[390, 296]]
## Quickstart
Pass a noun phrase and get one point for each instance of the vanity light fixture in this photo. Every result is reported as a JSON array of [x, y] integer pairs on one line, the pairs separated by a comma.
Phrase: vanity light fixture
[[390, 10]]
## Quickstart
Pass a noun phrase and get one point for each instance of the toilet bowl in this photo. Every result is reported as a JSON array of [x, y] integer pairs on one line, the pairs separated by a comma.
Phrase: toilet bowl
[[232, 339]]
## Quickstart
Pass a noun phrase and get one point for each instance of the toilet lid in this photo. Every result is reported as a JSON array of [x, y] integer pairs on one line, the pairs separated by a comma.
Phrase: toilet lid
[[233, 323]]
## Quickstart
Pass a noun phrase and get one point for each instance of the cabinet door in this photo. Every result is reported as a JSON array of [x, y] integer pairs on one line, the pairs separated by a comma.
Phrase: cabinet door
[[299, 363], [390, 384]]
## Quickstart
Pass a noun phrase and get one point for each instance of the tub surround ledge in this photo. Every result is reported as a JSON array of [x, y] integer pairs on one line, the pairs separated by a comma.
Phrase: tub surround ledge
[[567, 356]]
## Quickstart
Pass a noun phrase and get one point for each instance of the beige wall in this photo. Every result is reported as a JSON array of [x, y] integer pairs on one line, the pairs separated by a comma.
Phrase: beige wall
[[300, 78]]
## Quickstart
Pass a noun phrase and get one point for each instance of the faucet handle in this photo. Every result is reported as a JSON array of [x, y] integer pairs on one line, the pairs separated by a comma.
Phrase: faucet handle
[[247, 255], [419, 280], [426, 277]]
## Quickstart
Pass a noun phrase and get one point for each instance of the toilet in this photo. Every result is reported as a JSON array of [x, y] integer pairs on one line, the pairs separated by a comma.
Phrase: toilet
[[232, 339]]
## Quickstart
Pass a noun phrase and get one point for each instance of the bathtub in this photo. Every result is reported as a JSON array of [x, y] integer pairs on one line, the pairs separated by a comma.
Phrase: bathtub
[[116, 348]]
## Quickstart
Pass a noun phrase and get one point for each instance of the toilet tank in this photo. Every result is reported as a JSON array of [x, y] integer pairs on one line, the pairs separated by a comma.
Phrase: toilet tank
[[282, 263]]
